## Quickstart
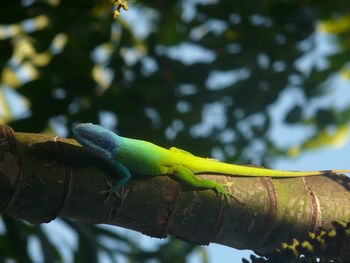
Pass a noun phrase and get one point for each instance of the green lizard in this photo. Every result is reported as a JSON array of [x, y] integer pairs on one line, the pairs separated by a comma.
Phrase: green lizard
[[142, 157]]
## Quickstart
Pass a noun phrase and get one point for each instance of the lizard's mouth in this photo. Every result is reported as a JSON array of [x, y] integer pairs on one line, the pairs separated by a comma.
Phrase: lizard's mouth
[[83, 134]]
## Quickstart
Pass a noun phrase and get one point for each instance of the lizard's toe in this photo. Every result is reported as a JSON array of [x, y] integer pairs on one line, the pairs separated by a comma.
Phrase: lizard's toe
[[228, 184]]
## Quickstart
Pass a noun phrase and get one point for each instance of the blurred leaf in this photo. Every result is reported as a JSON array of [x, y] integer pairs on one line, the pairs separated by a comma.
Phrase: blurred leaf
[[294, 115]]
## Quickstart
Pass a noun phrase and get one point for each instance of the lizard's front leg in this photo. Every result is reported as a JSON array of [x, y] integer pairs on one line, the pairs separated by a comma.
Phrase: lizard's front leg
[[120, 170]]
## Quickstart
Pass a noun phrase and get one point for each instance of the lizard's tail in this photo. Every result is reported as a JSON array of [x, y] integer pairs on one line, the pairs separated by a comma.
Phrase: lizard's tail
[[239, 170], [281, 173], [335, 171]]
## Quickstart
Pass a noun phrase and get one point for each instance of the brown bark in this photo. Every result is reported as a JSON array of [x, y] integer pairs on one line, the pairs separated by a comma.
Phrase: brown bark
[[43, 176]]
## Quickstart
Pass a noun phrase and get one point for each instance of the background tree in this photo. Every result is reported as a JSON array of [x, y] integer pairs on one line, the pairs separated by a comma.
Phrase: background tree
[[205, 75]]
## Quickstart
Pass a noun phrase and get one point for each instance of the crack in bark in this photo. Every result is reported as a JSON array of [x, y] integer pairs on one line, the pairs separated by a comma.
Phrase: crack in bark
[[9, 135], [114, 210], [67, 180], [171, 200], [218, 228], [272, 210], [316, 210]]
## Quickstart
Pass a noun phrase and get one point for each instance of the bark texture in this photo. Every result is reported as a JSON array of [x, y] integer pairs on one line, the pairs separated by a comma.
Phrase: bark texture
[[44, 176]]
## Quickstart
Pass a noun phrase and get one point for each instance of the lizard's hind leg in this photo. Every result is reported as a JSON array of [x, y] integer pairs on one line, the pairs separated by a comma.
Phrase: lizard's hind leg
[[186, 175]]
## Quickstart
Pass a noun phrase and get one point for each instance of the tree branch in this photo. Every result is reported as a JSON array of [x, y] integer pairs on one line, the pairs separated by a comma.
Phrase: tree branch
[[43, 176]]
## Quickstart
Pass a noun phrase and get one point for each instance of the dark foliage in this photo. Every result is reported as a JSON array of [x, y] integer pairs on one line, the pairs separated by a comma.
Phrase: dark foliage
[[203, 75]]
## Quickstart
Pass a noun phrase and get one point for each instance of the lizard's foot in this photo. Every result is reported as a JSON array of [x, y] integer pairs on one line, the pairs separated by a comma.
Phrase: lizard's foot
[[109, 192], [222, 191], [228, 184]]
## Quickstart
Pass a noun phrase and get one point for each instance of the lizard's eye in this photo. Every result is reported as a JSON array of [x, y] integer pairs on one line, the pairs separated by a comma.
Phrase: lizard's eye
[[105, 143]]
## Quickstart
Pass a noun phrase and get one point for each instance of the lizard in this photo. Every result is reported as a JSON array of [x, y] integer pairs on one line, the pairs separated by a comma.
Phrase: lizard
[[127, 155]]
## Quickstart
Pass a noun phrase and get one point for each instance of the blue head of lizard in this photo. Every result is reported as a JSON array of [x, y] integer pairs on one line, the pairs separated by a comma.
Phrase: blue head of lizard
[[96, 139]]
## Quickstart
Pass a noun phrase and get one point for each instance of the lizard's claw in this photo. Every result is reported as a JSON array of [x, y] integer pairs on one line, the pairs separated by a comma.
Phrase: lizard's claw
[[109, 192], [223, 192], [228, 184]]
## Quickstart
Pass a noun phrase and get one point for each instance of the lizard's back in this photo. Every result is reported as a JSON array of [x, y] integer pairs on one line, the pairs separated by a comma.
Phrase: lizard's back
[[147, 158], [141, 156]]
